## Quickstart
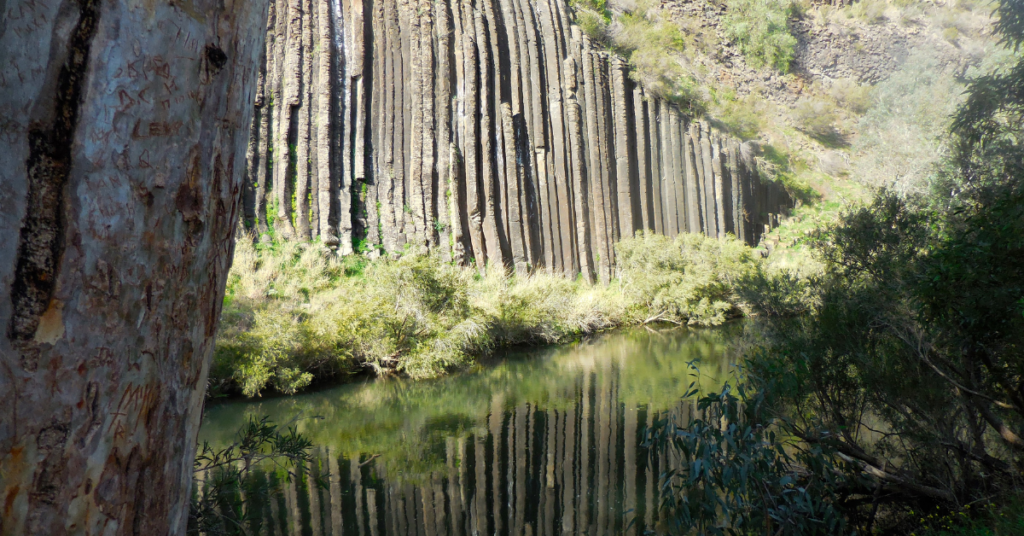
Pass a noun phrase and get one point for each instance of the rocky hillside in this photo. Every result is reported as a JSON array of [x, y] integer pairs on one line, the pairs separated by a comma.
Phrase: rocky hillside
[[493, 131], [867, 89]]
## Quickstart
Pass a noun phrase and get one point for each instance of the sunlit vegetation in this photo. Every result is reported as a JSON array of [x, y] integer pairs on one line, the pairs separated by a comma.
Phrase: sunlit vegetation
[[294, 314], [652, 44], [761, 29]]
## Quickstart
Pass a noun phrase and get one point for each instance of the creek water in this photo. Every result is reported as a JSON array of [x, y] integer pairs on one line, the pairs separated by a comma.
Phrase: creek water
[[540, 442]]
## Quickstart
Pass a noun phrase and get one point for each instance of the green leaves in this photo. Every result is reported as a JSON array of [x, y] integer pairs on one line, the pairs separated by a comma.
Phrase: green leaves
[[736, 476], [233, 481]]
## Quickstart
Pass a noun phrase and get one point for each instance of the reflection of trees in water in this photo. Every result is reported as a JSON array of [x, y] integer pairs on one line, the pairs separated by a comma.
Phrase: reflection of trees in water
[[582, 469]]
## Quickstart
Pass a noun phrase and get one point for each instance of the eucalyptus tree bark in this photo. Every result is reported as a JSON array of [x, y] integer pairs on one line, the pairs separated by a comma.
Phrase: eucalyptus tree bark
[[124, 143]]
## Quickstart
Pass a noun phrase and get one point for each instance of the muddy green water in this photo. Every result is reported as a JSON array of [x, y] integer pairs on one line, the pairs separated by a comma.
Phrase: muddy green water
[[539, 442]]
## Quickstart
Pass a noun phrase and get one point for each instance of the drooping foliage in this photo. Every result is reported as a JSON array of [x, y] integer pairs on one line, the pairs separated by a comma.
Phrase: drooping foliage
[[740, 475], [233, 482]]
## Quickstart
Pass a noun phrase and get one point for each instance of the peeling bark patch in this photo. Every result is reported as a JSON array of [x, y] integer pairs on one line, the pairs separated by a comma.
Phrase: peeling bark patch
[[41, 241], [51, 324]]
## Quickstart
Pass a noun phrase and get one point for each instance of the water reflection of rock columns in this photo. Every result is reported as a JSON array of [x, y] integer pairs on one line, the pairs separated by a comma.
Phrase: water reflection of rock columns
[[549, 445], [578, 468]]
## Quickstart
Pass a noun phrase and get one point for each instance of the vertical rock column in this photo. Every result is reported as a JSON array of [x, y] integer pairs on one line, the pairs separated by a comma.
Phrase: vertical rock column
[[669, 133], [302, 156], [620, 120], [643, 163], [581, 206], [488, 130], [654, 149], [597, 171]]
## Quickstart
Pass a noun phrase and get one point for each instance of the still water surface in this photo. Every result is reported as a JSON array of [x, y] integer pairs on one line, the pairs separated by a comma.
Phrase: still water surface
[[541, 442]]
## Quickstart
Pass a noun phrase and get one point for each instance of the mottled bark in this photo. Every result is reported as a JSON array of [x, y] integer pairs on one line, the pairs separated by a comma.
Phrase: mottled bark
[[122, 171]]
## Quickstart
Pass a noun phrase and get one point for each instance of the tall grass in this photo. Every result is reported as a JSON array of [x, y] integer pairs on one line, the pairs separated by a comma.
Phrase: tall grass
[[296, 312]]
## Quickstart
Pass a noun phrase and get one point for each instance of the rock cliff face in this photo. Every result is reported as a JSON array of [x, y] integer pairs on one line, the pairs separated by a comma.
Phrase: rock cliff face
[[490, 130]]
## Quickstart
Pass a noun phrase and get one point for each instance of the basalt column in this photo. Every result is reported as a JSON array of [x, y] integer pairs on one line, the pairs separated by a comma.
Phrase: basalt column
[[491, 131]]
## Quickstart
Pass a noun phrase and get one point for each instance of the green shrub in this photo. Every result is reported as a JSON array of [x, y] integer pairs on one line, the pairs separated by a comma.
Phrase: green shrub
[[296, 313], [651, 43], [642, 30], [593, 24], [915, 334], [737, 473], [817, 118], [870, 11], [761, 29], [593, 17], [902, 135], [743, 117], [778, 293], [687, 279], [851, 95]]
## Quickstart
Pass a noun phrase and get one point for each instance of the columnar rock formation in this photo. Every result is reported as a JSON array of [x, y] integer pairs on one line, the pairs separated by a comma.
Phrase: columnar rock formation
[[490, 130]]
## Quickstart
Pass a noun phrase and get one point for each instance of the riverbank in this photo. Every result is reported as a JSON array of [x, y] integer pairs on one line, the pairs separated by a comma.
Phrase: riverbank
[[296, 313]]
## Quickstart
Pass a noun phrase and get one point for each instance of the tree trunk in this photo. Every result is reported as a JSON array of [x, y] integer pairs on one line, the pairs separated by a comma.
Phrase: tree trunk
[[124, 142]]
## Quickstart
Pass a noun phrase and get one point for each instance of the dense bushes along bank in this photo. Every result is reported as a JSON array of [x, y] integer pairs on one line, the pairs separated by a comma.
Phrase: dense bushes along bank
[[295, 313]]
